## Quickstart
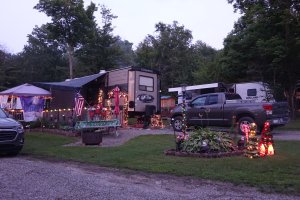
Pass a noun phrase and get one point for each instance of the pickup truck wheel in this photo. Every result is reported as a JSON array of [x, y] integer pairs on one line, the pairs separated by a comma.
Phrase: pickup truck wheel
[[177, 123], [243, 121]]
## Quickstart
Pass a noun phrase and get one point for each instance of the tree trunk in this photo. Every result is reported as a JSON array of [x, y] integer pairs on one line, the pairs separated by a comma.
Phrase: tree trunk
[[291, 101], [70, 51]]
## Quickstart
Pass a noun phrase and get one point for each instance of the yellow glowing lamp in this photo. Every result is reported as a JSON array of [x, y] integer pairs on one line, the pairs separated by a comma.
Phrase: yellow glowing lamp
[[252, 130], [262, 150], [270, 150]]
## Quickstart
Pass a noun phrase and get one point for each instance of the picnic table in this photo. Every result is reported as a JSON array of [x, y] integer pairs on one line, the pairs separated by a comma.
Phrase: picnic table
[[98, 125]]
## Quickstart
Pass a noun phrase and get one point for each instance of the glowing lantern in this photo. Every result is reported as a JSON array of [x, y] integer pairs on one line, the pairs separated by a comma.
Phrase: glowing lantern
[[270, 149], [262, 150], [266, 141]]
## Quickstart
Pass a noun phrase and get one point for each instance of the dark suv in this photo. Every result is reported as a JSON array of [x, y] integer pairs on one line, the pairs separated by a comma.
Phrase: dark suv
[[11, 135]]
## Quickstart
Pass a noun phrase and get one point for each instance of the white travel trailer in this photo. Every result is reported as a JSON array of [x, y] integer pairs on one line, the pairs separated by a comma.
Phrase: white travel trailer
[[195, 90], [256, 91]]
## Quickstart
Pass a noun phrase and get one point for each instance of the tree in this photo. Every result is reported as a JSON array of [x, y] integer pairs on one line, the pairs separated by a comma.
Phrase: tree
[[9, 70], [169, 52], [102, 51], [127, 55], [207, 70], [42, 59], [265, 43], [71, 24]]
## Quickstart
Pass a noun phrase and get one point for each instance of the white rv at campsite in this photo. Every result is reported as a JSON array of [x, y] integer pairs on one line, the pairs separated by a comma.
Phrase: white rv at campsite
[[256, 91]]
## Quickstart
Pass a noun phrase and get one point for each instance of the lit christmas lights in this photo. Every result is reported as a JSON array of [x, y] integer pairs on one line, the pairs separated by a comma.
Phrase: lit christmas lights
[[252, 143], [124, 96], [156, 121], [266, 141]]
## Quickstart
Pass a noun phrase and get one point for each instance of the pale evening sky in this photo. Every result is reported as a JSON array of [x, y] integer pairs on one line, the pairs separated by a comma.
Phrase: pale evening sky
[[209, 20]]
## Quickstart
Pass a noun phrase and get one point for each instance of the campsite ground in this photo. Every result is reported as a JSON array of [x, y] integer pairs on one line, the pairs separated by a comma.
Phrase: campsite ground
[[64, 179], [41, 179]]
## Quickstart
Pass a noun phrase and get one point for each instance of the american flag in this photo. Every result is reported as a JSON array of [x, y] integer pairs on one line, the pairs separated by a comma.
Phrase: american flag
[[79, 102]]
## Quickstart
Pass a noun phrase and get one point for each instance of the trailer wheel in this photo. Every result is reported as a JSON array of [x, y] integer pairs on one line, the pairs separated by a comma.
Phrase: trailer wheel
[[243, 121], [177, 123]]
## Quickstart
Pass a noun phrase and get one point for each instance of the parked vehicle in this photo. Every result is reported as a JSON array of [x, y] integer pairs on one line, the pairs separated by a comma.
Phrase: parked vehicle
[[219, 109], [11, 134], [257, 91]]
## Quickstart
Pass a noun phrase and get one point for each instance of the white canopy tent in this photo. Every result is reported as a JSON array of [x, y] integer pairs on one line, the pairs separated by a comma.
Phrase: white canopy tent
[[10, 99]]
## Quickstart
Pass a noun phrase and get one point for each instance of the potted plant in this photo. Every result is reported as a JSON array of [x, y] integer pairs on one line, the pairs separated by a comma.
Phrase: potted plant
[[92, 137]]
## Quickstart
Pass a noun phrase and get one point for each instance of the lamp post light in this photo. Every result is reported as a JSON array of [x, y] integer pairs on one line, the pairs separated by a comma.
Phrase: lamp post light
[[183, 90]]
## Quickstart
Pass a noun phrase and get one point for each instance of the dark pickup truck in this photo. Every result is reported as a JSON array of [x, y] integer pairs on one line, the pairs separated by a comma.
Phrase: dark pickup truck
[[223, 109], [11, 135]]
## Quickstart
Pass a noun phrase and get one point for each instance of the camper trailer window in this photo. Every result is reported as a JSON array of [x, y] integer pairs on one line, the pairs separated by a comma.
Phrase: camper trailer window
[[251, 92], [146, 83]]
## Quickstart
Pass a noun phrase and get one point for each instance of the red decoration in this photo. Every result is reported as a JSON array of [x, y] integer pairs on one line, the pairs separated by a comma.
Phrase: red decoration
[[266, 141], [117, 100], [92, 114]]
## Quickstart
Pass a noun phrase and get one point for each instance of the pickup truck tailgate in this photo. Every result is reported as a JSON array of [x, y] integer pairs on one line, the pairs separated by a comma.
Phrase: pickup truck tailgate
[[280, 113]]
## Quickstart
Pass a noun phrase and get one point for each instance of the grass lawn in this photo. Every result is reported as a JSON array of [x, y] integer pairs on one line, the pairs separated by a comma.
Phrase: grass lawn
[[280, 173], [293, 125]]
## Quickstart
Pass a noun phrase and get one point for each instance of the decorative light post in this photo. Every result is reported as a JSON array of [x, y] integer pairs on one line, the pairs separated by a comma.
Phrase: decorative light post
[[183, 90]]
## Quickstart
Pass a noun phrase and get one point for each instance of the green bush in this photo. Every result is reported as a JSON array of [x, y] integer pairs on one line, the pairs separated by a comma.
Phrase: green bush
[[208, 141]]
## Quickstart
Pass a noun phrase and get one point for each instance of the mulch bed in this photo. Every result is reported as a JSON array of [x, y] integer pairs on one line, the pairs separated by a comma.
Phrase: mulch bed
[[173, 152]]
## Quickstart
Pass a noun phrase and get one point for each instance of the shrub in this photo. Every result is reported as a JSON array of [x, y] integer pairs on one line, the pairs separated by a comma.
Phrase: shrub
[[208, 141]]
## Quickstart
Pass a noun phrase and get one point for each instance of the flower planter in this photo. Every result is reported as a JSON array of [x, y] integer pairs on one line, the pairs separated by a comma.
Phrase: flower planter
[[91, 138]]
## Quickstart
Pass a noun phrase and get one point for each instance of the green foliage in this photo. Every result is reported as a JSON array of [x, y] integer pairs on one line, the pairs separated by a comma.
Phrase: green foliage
[[278, 173], [71, 24], [206, 140], [104, 50], [9, 70], [169, 52], [179, 61], [265, 44], [207, 69], [42, 56]]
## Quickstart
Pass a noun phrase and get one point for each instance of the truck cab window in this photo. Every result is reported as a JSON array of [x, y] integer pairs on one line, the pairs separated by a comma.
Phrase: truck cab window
[[213, 99], [146, 83], [199, 101]]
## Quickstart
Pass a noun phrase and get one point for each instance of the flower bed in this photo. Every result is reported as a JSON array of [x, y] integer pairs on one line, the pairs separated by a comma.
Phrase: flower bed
[[205, 143]]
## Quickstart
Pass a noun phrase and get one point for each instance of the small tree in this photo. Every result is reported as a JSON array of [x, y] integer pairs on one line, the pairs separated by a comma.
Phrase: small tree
[[71, 24]]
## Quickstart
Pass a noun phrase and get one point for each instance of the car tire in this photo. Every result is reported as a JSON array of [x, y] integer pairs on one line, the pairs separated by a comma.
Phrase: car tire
[[14, 152], [177, 123], [242, 121]]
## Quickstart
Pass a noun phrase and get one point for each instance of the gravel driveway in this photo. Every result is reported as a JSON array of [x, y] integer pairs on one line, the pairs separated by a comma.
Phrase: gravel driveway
[[27, 178]]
